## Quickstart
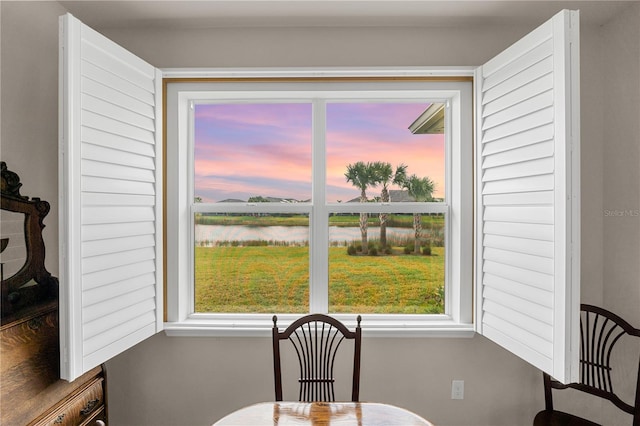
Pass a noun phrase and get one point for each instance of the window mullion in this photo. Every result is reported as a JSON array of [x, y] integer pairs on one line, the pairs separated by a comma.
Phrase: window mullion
[[319, 233], [188, 297], [398, 207]]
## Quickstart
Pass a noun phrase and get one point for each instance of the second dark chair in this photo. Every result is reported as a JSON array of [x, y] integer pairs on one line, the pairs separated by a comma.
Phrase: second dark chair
[[316, 339], [600, 330]]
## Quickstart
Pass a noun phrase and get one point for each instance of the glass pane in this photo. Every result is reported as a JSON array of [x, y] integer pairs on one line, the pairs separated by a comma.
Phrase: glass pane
[[253, 152], [251, 264], [386, 135], [405, 275]]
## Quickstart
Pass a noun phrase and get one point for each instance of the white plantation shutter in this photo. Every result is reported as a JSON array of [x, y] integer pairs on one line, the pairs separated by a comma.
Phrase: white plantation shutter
[[110, 198], [528, 197]]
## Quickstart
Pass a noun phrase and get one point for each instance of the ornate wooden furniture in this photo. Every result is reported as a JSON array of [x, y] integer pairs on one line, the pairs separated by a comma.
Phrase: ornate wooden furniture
[[31, 283], [600, 330], [316, 339], [31, 392], [322, 413]]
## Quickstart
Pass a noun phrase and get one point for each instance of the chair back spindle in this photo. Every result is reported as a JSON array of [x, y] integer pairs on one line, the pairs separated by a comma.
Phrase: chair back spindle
[[316, 339], [599, 335]]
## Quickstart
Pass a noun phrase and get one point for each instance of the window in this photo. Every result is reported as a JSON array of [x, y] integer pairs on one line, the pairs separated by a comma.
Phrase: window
[[526, 151], [321, 197]]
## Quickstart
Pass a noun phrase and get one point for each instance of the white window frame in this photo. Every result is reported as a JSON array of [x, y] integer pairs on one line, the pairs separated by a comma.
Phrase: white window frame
[[458, 319]]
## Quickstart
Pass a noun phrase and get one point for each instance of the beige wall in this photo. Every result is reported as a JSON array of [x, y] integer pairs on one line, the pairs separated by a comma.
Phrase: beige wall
[[185, 381], [308, 47], [621, 148], [29, 106]]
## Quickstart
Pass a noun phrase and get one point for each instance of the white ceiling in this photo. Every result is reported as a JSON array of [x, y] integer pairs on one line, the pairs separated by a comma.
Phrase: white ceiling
[[318, 13]]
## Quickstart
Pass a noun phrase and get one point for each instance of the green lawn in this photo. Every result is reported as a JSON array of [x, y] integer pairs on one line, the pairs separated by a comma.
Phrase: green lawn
[[276, 279]]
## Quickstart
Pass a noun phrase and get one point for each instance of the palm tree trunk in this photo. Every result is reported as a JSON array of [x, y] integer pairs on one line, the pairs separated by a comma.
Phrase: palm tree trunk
[[384, 217], [364, 222], [417, 230], [363, 232]]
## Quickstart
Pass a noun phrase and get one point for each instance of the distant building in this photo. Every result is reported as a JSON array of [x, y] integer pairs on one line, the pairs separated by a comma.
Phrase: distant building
[[264, 200]]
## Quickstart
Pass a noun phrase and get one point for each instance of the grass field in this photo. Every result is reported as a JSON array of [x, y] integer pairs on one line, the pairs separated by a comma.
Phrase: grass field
[[276, 279]]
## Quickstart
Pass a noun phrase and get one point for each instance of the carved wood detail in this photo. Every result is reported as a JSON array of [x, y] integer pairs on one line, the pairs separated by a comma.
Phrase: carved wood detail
[[16, 295]]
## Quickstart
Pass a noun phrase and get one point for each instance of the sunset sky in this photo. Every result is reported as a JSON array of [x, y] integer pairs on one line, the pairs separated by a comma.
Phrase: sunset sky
[[245, 150]]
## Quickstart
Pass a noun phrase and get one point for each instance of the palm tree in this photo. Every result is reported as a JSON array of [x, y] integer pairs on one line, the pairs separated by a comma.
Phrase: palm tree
[[361, 176], [421, 189], [384, 175]]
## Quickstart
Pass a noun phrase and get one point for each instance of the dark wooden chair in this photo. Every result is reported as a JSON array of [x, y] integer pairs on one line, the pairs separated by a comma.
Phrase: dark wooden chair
[[600, 330], [316, 339]]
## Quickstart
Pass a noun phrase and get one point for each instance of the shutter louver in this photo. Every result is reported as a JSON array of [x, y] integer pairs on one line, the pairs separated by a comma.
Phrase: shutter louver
[[111, 264], [527, 198]]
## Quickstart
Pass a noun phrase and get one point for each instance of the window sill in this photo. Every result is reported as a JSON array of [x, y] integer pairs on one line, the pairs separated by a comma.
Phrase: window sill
[[261, 327]]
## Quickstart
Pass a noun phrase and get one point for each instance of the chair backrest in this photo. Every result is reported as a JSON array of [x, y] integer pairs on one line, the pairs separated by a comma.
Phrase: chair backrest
[[600, 330], [316, 339]]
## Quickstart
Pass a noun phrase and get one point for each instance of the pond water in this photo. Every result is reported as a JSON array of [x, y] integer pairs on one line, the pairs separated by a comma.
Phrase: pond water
[[209, 234]]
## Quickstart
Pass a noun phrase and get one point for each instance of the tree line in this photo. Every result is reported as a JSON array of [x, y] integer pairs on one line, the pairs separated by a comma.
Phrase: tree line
[[365, 176]]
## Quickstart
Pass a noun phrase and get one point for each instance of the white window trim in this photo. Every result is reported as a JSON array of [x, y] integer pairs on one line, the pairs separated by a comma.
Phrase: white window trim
[[457, 323]]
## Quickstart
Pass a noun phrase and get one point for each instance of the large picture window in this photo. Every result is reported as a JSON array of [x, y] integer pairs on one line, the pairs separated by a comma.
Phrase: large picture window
[[524, 158], [322, 197]]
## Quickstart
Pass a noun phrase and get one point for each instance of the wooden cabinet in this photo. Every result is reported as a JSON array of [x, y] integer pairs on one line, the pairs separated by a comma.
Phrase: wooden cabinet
[[85, 406], [31, 392]]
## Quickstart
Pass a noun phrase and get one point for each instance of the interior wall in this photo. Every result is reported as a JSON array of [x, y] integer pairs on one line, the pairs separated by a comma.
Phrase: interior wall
[[621, 209], [29, 106], [194, 381], [621, 183], [315, 46]]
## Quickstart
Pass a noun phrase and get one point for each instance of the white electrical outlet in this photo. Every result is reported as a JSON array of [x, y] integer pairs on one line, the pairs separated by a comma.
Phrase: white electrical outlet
[[457, 389]]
